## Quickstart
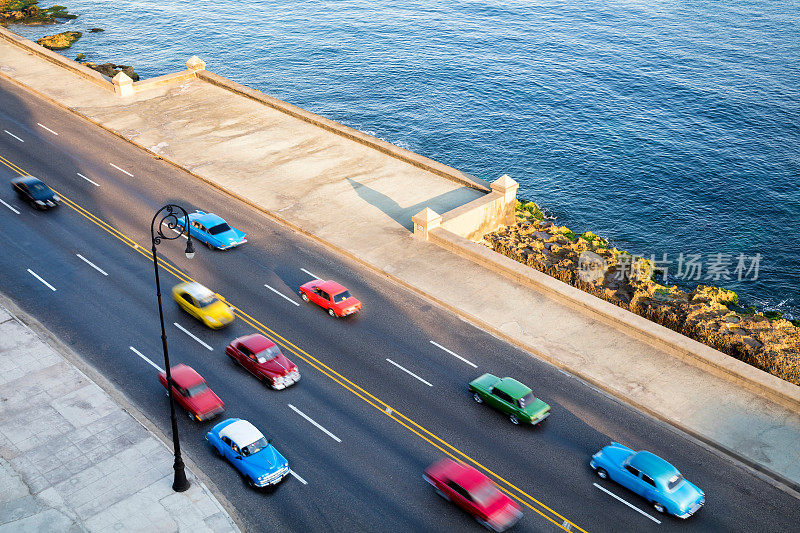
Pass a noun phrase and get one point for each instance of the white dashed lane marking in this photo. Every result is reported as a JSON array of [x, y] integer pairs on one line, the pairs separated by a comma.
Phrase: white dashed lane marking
[[656, 520], [183, 329], [121, 170], [87, 179], [454, 354], [9, 206], [37, 276], [48, 129], [17, 138], [319, 427], [103, 272], [140, 354], [410, 373], [281, 295]]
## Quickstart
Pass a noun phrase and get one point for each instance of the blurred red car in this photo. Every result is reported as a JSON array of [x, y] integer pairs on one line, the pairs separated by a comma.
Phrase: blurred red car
[[473, 492], [330, 296], [192, 392], [264, 360]]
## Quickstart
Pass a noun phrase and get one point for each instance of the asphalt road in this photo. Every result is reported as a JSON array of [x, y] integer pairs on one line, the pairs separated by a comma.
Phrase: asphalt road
[[383, 425]]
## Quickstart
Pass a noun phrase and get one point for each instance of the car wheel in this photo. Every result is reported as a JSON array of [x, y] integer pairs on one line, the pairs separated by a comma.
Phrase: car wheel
[[332, 312], [442, 494], [219, 452], [210, 246], [601, 473], [514, 420], [251, 483], [477, 398], [233, 359], [304, 296], [658, 507]]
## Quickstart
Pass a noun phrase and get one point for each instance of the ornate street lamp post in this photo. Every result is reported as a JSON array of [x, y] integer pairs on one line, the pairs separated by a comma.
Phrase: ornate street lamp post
[[169, 215]]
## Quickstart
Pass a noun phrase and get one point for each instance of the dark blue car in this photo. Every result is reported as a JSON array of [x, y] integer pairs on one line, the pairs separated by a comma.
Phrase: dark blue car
[[213, 231], [246, 448], [651, 477]]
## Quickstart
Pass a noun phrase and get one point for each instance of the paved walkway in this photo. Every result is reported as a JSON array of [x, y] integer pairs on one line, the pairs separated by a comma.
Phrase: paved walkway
[[360, 201], [71, 459]]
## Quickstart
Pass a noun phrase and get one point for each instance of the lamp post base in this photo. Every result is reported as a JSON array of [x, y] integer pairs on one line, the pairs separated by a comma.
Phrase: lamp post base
[[180, 484]]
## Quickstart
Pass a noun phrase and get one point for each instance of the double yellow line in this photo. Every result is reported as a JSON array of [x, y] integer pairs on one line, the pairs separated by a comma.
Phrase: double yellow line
[[512, 490]]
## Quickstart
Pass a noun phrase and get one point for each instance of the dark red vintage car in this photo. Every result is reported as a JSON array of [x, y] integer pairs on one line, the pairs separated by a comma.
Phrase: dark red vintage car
[[192, 392], [264, 360], [473, 492], [330, 296]]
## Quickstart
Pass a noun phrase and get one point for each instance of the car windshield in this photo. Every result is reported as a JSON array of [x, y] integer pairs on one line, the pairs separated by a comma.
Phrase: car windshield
[[674, 482], [484, 494], [526, 400], [198, 389], [342, 296], [268, 354], [256, 447], [208, 300], [219, 228]]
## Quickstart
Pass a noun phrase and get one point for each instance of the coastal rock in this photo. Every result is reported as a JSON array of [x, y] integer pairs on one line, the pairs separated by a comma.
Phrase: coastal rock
[[705, 314], [96, 30], [111, 70], [60, 41], [27, 12]]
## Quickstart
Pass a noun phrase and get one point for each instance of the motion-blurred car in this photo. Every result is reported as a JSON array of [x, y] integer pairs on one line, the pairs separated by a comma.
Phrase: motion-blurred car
[[510, 397], [651, 477], [246, 448], [213, 231], [330, 296], [203, 304], [473, 492], [262, 358], [35, 192], [192, 392]]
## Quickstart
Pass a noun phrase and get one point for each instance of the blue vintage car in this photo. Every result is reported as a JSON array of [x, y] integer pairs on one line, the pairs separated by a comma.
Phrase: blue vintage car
[[651, 477], [246, 448], [213, 231]]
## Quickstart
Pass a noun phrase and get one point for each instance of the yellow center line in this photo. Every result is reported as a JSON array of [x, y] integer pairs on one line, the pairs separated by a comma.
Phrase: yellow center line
[[443, 446]]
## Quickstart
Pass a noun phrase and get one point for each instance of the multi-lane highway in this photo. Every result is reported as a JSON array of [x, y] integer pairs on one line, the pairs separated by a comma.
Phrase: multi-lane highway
[[385, 389]]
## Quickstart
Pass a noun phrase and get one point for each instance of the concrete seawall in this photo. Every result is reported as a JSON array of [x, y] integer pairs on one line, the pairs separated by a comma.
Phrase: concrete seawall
[[358, 194]]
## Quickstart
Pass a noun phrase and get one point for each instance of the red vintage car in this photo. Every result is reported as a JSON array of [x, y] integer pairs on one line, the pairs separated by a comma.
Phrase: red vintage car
[[192, 392], [473, 492], [264, 360], [330, 296]]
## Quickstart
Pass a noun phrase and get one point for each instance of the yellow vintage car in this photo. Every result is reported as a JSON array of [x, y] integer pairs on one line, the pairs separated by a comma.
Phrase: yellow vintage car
[[203, 304]]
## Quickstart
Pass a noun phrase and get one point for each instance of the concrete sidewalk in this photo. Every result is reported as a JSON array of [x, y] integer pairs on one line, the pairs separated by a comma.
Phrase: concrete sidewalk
[[360, 202], [72, 459]]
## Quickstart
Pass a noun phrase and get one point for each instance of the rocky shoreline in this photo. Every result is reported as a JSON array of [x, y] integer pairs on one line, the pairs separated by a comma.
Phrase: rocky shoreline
[[707, 314], [28, 12]]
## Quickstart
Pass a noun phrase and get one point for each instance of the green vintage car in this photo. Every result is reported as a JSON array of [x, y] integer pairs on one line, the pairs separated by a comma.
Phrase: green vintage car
[[511, 397]]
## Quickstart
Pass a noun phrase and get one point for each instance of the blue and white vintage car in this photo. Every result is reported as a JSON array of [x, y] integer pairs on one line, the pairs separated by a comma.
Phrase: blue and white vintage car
[[651, 477], [245, 448], [213, 231]]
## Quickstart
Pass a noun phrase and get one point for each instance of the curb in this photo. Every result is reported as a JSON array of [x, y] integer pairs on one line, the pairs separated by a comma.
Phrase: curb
[[73, 358], [774, 478]]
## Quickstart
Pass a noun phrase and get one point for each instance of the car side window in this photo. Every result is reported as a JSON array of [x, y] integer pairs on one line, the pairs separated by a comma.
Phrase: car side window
[[324, 295], [503, 396], [198, 225], [458, 489], [226, 440], [647, 479], [632, 470], [188, 298], [244, 350], [235, 448]]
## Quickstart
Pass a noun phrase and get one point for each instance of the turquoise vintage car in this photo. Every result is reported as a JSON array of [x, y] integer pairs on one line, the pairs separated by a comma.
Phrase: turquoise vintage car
[[651, 477], [511, 397]]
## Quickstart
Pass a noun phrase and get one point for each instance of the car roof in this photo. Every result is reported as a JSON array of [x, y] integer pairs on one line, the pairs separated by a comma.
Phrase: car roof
[[465, 475], [185, 376], [513, 388], [256, 342], [242, 432], [26, 179], [207, 219], [331, 287], [196, 290], [653, 465]]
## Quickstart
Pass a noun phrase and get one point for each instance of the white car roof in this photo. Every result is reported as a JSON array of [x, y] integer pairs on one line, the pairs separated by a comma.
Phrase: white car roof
[[197, 291], [242, 432]]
